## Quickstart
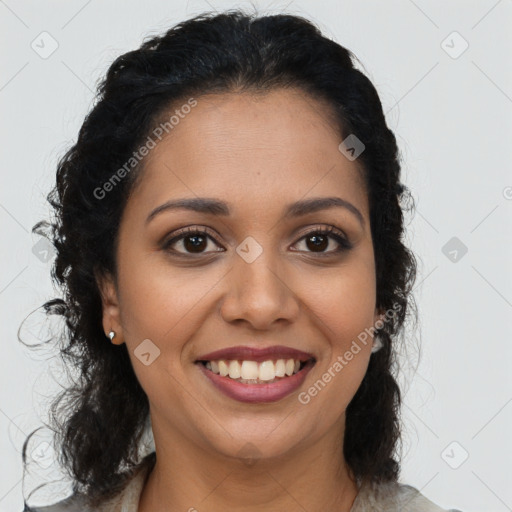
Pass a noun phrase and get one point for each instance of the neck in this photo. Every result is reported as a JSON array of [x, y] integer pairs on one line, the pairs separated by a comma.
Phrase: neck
[[185, 477]]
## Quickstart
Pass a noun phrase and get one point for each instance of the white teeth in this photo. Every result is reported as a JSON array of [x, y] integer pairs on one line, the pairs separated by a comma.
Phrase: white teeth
[[234, 369], [223, 368], [280, 368], [267, 371], [251, 372]]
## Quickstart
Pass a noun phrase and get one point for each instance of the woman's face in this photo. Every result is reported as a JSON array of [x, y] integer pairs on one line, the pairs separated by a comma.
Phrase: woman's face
[[257, 279]]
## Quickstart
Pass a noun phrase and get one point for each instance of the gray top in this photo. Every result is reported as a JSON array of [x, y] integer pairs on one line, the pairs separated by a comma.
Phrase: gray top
[[389, 497]]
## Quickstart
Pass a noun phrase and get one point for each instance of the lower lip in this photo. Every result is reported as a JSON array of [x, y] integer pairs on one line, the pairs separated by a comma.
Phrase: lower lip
[[254, 393]]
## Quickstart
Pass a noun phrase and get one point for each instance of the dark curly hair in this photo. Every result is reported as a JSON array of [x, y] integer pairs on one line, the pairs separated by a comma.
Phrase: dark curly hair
[[99, 421]]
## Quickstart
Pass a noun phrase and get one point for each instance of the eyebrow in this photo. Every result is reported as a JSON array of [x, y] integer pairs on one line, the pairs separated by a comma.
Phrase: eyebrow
[[220, 208]]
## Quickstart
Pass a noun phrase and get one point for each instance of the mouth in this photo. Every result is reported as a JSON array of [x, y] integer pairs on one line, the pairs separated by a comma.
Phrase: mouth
[[256, 375], [253, 372]]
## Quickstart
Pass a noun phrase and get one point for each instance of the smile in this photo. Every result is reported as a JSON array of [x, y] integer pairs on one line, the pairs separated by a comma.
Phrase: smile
[[252, 372], [253, 382]]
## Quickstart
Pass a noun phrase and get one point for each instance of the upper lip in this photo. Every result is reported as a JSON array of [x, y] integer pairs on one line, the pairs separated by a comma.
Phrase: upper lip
[[256, 354]]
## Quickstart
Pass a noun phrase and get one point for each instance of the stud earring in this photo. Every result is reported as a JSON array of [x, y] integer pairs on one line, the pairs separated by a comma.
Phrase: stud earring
[[377, 343], [111, 335]]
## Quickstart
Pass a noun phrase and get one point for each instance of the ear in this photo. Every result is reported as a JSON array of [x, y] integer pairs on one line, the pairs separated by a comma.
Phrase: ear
[[110, 306]]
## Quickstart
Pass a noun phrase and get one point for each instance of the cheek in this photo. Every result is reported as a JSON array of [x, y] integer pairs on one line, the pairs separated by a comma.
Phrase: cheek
[[159, 301], [161, 305], [167, 306], [344, 302]]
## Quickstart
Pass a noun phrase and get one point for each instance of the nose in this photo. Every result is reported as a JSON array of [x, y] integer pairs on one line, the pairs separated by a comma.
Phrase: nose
[[259, 293]]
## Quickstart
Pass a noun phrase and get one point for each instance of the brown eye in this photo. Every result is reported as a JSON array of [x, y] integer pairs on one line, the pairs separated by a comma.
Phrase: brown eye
[[195, 241], [318, 241], [192, 241]]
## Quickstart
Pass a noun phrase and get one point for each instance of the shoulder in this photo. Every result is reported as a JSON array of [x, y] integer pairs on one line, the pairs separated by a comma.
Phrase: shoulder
[[126, 498], [73, 503], [392, 496], [420, 503]]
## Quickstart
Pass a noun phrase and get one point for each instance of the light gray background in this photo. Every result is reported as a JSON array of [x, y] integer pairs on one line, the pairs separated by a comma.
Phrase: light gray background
[[453, 121]]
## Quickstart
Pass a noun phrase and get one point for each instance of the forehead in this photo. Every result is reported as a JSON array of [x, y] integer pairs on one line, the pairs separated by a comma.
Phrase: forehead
[[279, 146]]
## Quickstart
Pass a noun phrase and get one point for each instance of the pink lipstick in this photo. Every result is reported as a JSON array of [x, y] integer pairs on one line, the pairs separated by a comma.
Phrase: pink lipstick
[[251, 374]]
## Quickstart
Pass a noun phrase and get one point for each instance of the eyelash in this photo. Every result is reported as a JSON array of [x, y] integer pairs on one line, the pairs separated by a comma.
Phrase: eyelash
[[344, 244]]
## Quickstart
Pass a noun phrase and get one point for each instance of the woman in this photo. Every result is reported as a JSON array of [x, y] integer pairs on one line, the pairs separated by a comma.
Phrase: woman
[[229, 236]]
